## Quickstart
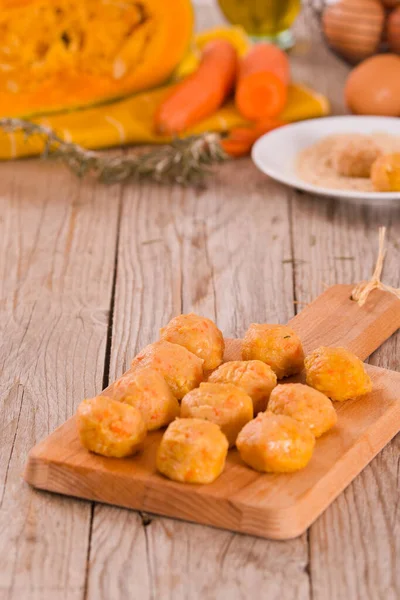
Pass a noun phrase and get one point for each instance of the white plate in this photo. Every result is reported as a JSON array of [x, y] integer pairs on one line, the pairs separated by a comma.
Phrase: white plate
[[276, 152]]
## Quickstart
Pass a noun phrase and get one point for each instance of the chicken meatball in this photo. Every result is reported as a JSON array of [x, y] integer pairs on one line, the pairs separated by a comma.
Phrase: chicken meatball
[[385, 173], [256, 378], [222, 403], [192, 451], [337, 373], [181, 369], [354, 157], [109, 427], [148, 391], [276, 345], [275, 443], [304, 404], [199, 335]]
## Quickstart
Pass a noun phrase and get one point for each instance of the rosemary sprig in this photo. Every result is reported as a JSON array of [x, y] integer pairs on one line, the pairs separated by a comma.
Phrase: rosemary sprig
[[184, 161]]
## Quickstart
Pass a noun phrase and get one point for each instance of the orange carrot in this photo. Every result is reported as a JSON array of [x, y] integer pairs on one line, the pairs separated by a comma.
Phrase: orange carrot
[[203, 92], [241, 139], [262, 84]]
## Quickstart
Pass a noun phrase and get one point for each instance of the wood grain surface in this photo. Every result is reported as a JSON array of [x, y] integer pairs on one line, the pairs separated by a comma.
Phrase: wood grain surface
[[55, 283], [244, 249]]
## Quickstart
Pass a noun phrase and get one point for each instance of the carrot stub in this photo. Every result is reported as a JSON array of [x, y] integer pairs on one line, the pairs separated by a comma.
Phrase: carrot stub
[[203, 92], [263, 81], [241, 139]]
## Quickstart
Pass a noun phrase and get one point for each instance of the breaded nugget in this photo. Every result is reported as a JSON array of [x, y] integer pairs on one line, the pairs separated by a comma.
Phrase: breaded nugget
[[199, 335], [192, 451], [276, 345], [304, 404], [256, 378], [275, 443], [109, 427], [222, 403], [148, 391], [181, 369], [337, 373]]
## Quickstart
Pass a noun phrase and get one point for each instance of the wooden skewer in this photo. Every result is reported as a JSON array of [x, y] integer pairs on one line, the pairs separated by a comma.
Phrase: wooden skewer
[[364, 288]]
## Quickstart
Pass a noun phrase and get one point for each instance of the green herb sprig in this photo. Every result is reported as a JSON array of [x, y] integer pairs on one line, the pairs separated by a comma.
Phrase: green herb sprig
[[184, 161]]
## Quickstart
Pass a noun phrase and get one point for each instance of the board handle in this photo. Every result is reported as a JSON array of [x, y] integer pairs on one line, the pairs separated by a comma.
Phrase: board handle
[[334, 319]]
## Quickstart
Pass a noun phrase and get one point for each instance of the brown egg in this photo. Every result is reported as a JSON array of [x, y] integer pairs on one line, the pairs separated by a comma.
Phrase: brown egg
[[393, 30], [354, 27], [390, 3], [373, 87]]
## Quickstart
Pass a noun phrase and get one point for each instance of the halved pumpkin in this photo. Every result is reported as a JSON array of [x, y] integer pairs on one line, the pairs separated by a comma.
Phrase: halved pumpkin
[[63, 54]]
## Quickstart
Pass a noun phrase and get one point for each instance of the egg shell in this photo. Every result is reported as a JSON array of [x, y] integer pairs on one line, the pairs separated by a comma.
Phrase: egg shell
[[373, 87], [354, 27], [393, 30], [390, 3]]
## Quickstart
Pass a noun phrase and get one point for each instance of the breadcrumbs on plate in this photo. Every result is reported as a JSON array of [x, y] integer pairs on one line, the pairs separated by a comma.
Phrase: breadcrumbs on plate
[[317, 165]]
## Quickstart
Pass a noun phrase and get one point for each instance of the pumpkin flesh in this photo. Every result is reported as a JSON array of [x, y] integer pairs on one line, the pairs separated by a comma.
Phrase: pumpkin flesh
[[63, 54]]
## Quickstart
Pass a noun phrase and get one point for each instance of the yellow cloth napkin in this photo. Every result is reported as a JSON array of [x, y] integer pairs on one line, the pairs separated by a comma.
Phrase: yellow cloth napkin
[[130, 121]]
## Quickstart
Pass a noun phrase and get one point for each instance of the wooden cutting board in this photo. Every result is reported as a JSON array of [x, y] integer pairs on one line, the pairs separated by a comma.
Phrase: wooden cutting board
[[272, 506]]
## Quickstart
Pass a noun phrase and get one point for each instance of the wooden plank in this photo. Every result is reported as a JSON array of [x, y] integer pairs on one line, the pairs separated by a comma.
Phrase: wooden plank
[[358, 535], [181, 251], [334, 316], [57, 239], [196, 562]]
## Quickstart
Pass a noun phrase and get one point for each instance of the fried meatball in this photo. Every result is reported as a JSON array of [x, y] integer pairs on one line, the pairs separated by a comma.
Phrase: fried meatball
[[385, 173], [256, 378], [304, 404], [199, 335], [222, 403], [109, 427], [337, 373], [354, 157], [181, 369], [148, 391], [275, 443], [276, 345], [192, 451]]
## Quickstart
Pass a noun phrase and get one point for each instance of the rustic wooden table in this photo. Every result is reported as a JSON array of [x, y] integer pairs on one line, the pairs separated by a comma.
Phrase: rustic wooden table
[[88, 274]]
